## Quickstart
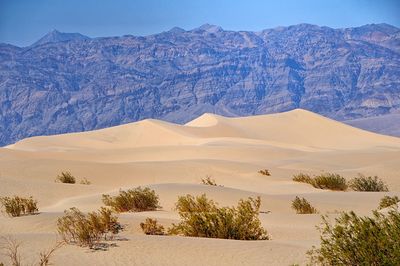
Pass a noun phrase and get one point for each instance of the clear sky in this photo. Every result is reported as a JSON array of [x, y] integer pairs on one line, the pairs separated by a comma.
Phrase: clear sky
[[24, 21]]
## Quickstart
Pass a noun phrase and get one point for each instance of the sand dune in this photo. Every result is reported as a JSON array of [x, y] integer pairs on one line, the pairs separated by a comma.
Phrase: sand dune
[[173, 158]]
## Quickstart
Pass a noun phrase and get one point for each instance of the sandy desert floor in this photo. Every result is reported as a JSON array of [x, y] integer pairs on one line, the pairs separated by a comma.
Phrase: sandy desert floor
[[172, 159]]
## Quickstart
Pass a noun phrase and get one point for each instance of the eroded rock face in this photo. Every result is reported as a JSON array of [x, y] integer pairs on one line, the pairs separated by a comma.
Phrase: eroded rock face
[[69, 82]]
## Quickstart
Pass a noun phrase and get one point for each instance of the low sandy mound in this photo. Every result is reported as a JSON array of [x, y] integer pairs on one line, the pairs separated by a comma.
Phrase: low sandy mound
[[297, 127], [143, 133]]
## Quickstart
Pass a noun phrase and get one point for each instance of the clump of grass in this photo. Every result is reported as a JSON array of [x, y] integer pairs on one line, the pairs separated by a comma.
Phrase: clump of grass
[[151, 227], [330, 181], [17, 206], [264, 172], [302, 206], [84, 181], [201, 217], [355, 240], [368, 183], [135, 200], [82, 229], [388, 201], [303, 178], [66, 177], [208, 181]]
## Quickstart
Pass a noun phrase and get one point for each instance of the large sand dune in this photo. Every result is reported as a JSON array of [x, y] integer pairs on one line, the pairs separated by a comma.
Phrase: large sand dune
[[172, 159]]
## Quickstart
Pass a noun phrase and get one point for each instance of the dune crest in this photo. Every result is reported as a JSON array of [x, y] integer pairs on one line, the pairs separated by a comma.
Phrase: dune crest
[[298, 127]]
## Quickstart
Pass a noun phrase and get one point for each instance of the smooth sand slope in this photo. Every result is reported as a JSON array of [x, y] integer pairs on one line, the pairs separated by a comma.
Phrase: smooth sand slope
[[172, 159]]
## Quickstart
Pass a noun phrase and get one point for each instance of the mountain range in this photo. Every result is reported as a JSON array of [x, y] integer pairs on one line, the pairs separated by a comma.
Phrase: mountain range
[[68, 82]]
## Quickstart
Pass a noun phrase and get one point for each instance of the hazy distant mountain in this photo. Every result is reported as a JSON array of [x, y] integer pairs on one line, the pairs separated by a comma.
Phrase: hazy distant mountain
[[385, 124], [56, 36], [69, 82]]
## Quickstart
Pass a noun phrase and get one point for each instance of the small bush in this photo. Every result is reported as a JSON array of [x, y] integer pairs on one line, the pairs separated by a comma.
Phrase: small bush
[[388, 201], [323, 181], [368, 183], [17, 206], [355, 240], [151, 227], [208, 181], [136, 200], [264, 172], [66, 177], [87, 230], [302, 206], [84, 181], [201, 217], [303, 178], [330, 181]]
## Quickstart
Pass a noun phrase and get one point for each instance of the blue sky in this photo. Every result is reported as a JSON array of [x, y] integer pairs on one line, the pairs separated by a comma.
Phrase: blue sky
[[24, 21]]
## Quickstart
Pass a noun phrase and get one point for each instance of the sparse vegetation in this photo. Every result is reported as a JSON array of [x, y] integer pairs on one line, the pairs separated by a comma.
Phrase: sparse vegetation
[[44, 256], [87, 230], [368, 183], [66, 177], [355, 240], [302, 206], [323, 181], [303, 178], [201, 217], [330, 181], [17, 206], [151, 227], [264, 172], [11, 249], [388, 201], [84, 181], [208, 181], [135, 200]]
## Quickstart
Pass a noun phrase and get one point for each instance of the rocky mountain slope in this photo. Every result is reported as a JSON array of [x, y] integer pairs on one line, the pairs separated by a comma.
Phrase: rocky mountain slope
[[69, 82]]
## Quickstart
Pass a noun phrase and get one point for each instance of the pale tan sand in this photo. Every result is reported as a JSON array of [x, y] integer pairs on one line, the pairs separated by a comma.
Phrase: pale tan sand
[[172, 159]]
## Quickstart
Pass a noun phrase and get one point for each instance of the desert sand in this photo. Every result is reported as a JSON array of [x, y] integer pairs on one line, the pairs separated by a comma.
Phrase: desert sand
[[172, 159]]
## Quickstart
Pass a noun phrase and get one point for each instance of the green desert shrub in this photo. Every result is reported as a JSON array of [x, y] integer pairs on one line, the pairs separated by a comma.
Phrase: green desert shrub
[[302, 206], [355, 240], [75, 227], [66, 177], [303, 178], [135, 200], [264, 172], [201, 217], [151, 227], [388, 201], [330, 181], [368, 183], [323, 181], [208, 181], [17, 206]]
